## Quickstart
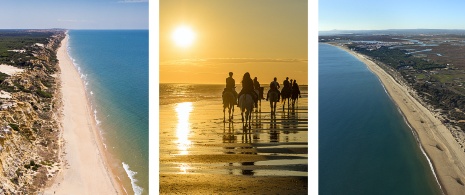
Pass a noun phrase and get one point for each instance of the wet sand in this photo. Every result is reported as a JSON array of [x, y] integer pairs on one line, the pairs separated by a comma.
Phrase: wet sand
[[445, 154], [84, 167], [199, 154]]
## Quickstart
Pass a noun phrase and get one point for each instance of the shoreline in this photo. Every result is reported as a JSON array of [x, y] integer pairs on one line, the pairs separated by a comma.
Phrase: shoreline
[[443, 153], [84, 162]]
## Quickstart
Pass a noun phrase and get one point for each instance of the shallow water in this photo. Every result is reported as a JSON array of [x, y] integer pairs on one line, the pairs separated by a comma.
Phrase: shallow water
[[114, 67], [195, 140]]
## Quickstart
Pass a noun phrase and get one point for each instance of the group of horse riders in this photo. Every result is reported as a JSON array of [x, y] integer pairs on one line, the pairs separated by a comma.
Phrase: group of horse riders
[[249, 86]]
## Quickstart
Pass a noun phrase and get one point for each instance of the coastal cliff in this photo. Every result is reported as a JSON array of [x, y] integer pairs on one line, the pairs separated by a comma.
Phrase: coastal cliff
[[29, 109]]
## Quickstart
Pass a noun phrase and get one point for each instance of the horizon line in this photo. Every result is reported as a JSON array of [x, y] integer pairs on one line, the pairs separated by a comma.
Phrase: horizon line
[[394, 29], [74, 29]]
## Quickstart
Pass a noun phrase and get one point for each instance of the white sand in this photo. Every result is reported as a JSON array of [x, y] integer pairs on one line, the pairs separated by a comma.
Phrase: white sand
[[10, 70], [84, 167]]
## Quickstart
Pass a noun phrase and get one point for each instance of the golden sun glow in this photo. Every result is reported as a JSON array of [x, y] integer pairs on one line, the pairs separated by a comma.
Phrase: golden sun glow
[[183, 111], [183, 36]]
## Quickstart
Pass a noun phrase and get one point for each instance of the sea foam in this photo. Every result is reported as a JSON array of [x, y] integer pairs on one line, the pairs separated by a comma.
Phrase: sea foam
[[137, 189]]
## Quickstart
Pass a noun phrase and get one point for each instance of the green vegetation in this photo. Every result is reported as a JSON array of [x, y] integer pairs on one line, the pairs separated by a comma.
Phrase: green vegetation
[[44, 94], [14, 126], [32, 165], [398, 59], [421, 76], [444, 78], [3, 76], [18, 40]]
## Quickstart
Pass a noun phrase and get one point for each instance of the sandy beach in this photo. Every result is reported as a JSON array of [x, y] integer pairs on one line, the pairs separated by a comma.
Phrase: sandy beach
[[199, 154], [84, 167], [444, 153]]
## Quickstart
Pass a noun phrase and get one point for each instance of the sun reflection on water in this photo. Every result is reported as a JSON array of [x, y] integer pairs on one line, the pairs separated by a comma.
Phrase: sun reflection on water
[[183, 111], [184, 168]]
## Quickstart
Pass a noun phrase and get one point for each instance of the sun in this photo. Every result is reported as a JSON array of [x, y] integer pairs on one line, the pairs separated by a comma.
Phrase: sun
[[183, 36]]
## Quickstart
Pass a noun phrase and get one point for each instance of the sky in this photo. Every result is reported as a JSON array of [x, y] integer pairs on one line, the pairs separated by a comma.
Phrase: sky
[[393, 14], [267, 38], [74, 14]]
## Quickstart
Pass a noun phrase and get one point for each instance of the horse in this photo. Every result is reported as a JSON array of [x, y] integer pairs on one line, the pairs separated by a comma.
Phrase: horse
[[295, 95], [259, 93], [246, 105], [228, 102], [285, 95], [274, 98]]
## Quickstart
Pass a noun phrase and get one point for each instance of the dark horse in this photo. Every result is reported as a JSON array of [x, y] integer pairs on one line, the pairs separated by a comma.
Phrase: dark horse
[[285, 95], [228, 102], [295, 94], [259, 93], [274, 98]]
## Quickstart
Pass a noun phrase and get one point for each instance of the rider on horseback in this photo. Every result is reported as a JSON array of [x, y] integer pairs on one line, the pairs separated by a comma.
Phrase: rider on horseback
[[231, 86], [274, 86], [248, 88], [286, 83], [257, 87]]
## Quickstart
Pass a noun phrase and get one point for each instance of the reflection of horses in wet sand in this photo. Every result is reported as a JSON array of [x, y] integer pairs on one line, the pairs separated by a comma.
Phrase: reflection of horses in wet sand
[[228, 102], [274, 96], [285, 95], [246, 105]]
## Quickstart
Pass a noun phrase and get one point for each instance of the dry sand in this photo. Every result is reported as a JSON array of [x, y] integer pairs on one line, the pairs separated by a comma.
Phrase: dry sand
[[10, 70], [84, 169], [447, 158]]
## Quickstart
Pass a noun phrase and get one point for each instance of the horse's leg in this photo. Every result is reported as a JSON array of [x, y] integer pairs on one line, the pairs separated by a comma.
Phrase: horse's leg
[[224, 114], [288, 103], [284, 103], [247, 119], [250, 119], [242, 115], [232, 115]]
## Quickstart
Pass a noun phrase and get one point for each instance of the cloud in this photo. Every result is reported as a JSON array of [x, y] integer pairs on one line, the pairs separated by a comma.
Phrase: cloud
[[208, 61]]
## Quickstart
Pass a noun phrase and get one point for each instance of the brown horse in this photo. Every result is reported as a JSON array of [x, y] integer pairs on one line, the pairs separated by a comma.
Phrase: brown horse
[[285, 95], [274, 98]]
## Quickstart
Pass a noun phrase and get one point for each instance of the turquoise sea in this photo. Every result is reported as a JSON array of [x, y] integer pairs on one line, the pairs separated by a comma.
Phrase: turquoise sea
[[114, 66], [365, 145]]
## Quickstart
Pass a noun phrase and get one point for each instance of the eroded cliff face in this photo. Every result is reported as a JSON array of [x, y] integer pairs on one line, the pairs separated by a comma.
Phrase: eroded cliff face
[[30, 109]]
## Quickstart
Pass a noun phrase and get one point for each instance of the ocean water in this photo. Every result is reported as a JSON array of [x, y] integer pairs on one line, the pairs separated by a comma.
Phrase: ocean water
[[114, 67], [171, 93], [365, 145]]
